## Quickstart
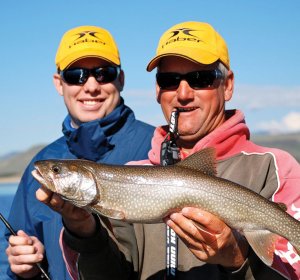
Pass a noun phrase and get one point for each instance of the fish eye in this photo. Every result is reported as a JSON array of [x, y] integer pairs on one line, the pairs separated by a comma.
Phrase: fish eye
[[56, 169]]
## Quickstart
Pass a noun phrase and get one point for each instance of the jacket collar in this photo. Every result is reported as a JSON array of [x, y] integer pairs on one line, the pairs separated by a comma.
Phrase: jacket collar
[[91, 140], [227, 139]]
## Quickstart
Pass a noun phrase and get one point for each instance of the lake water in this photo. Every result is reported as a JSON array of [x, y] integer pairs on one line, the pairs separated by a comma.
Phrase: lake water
[[7, 192]]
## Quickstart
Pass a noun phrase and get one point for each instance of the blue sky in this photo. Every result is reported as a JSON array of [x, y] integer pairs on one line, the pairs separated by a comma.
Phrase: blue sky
[[263, 38]]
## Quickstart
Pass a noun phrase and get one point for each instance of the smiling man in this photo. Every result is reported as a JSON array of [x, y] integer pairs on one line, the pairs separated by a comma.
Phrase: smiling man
[[194, 79], [98, 127]]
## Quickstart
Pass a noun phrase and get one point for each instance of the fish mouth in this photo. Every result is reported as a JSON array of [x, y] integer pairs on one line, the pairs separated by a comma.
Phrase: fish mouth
[[38, 176]]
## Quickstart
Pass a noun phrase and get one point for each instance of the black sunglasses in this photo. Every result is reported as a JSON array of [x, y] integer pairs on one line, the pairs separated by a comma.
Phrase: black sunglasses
[[196, 79], [78, 76]]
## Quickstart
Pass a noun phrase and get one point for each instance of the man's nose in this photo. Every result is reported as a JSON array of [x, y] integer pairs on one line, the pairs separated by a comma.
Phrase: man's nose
[[91, 85], [184, 91]]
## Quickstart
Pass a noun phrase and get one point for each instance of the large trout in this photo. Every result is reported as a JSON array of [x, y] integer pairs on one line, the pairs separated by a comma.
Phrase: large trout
[[147, 194]]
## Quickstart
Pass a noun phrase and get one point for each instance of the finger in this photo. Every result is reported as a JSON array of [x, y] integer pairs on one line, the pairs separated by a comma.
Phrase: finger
[[185, 229], [57, 203], [25, 257], [24, 270], [50, 198], [22, 250], [22, 233], [194, 233], [200, 249], [21, 269], [44, 195], [21, 239], [220, 233], [189, 226], [204, 219]]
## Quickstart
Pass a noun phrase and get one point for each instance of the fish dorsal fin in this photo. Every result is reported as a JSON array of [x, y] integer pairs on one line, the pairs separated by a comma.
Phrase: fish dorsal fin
[[263, 244], [203, 161]]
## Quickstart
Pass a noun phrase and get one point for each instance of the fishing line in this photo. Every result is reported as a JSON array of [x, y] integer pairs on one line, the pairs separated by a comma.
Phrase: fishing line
[[12, 231]]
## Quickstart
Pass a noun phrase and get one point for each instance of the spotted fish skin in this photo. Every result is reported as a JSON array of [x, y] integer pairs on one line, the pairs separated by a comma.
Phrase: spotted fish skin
[[147, 194]]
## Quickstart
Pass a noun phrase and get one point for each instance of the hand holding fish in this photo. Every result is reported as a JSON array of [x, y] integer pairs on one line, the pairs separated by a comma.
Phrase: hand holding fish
[[209, 238], [23, 253], [75, 219]]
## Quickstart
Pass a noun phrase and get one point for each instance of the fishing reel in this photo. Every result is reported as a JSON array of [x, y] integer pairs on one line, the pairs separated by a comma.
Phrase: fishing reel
[[169, 150]]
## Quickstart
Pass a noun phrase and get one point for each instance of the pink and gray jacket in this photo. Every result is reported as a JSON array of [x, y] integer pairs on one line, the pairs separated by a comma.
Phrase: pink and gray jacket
[[137, 251]]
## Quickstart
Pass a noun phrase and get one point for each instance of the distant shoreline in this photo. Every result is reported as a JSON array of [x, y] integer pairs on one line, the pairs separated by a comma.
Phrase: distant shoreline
[[11, 179]]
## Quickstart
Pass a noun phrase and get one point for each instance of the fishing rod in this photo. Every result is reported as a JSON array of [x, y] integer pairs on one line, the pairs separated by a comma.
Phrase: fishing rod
[[9, 227]]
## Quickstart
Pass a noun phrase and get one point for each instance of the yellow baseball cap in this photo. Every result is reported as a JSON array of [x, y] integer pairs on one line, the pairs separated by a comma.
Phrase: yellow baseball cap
[[86, 41], [196, 41]]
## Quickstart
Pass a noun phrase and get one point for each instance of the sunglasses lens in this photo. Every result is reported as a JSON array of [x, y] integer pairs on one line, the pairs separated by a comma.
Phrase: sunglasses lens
[[201, 79], [78, 76], [196, 79], [106, 75], [75, 76], [168, 81]]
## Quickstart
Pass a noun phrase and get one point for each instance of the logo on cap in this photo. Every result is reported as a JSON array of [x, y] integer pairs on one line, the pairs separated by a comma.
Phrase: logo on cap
[[184, 34], [185, 31], [87, 37], [92, 33]]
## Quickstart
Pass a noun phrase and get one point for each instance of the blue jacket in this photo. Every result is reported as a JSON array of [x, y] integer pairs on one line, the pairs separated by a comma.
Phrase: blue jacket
[[116, 139]]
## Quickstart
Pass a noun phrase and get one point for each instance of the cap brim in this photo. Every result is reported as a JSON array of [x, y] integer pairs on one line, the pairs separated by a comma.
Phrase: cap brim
[[196, 57], [89, 53]]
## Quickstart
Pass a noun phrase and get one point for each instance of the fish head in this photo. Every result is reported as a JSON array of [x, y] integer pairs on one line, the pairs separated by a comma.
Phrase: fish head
[[71, 179]]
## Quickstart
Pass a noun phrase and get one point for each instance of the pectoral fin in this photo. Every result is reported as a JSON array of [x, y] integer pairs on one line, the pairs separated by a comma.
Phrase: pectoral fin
[[109, 213], [263, 244]]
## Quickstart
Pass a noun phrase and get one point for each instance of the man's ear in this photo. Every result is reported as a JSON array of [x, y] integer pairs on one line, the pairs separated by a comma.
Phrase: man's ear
[[58, 84], [121, 79], [158, 93], [229, 86]]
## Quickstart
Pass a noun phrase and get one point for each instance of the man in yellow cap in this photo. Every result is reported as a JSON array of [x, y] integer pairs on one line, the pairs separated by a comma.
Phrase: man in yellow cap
[[98, 127], [193, 83]]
